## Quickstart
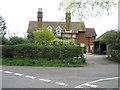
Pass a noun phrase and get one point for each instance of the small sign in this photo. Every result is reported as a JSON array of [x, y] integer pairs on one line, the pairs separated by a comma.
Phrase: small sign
[[82, 45]]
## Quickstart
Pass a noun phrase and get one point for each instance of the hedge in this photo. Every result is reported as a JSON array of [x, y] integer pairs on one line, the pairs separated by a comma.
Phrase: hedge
[[7, 51], [115, 55], [40, 51]]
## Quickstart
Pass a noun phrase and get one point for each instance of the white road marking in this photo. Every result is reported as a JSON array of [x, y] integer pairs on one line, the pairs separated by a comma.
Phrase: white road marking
[[60, 83], [90, 85], [18, 74], [104, 79], [31, 77], [94, 86], [8, 72], [45, 80]]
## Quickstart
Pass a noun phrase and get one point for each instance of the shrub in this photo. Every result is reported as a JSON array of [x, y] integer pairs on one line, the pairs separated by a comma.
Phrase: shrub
[[25, 51], [17, 40], [40, 51], [112, 38], [7, 51], [115, 54], [58, 42], [4, 41], [43, 36]]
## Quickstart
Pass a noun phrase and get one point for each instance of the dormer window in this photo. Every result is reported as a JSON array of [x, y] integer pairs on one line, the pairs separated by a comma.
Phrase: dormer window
[[68, 31], [49, 28], [58, 31]]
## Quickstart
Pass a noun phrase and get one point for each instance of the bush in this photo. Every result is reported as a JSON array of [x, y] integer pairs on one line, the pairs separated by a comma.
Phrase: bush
[[14, 40], [43, 36], [63, 52], [4, 41], [7, 51], [112, 38], [58, 42], [40, 51], [17, 40], [25, 51], [115, 54]]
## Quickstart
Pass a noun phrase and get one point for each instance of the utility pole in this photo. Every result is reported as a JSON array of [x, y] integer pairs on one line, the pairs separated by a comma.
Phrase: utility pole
[[119, 15]]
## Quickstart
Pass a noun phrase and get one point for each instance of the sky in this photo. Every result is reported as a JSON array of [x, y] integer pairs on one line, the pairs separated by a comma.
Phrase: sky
[[18, 13]]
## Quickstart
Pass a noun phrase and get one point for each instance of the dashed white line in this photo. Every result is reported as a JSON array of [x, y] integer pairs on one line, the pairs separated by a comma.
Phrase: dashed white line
[[8, 72], [31, 77], [60, 83], [45, 80], [94, 86], [18, 74]]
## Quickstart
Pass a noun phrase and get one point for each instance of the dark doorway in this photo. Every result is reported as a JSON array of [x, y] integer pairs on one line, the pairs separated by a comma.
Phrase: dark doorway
[[103, 48], [99, 48]]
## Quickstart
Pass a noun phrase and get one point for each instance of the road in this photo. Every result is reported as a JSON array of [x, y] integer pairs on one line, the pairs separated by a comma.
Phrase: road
[[99, 73]]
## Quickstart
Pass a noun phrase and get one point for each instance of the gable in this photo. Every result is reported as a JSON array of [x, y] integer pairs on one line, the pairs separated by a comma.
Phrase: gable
[[90, 32], [49, 28]]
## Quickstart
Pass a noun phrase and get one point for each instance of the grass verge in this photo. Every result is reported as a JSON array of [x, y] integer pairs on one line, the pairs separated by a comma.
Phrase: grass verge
[[42, 62]]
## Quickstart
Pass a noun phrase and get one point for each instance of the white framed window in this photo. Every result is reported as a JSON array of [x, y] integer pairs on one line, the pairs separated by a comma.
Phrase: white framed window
[[68, 31], [58, 31], [49, 28]]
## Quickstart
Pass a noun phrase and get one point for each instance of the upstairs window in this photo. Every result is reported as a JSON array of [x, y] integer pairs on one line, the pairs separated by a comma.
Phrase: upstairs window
[[49, 28], [58, 30]]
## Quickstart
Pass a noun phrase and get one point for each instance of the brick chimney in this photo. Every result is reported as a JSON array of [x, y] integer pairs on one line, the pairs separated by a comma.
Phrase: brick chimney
[[68, 20], [39, 17]]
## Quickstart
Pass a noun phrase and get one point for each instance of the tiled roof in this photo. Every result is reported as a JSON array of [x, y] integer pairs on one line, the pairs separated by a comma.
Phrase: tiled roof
[[75, 26], [90, 32]]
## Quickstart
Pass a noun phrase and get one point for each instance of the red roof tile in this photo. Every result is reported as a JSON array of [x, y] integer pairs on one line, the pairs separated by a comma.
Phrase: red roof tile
[[90, 32]]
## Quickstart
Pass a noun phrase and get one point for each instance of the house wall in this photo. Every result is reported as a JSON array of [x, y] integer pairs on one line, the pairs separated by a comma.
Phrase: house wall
[[81, 38], [68, 36], [90, 40]]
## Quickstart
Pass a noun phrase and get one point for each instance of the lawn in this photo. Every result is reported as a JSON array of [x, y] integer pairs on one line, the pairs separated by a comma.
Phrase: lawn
[[42, 62]]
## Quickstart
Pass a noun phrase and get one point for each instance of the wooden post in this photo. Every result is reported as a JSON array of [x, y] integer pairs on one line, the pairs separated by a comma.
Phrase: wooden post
[[99, 47]]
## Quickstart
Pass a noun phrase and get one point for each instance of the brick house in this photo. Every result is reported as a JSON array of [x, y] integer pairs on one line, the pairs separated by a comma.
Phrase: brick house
[[87, 36], [65, 30]]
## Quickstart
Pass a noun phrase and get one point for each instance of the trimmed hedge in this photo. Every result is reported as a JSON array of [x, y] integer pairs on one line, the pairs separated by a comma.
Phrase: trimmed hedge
[[7, 51], [40, 51]]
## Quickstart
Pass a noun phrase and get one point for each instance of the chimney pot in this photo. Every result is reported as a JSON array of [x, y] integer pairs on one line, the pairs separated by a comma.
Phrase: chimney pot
[[39, 9]]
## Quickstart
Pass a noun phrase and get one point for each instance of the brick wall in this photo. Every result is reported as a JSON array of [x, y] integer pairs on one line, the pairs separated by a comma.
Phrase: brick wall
[[81, 38]]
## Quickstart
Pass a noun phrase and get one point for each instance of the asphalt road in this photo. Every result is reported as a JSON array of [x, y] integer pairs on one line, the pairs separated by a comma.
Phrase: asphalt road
[[100, 73]]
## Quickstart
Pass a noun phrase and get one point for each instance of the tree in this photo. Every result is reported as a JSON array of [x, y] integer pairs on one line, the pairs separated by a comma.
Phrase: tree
[[4, 41], [43, 36], [112, 38], [2, 26], [17, 40], [88, 8]]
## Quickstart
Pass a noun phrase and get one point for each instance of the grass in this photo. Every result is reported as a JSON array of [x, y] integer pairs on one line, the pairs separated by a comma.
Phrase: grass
[[42, 62]]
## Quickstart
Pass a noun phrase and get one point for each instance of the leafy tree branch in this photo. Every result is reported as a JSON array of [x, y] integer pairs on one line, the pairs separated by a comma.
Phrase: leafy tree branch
[[88, 8]]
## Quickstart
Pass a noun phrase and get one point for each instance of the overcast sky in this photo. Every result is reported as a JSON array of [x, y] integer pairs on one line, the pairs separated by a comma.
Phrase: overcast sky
[[18, 13]]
